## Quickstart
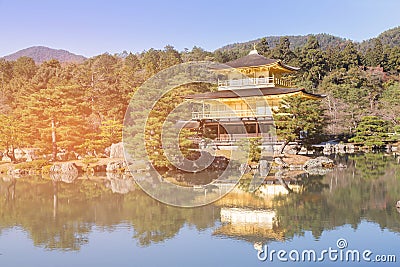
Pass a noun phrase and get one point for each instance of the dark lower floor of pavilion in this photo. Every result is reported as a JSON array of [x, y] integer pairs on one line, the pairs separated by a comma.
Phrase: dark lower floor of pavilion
[[234, 130]]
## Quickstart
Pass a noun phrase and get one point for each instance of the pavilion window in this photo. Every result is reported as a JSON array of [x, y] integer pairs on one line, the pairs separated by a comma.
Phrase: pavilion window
[[261, 108], [251, 128]]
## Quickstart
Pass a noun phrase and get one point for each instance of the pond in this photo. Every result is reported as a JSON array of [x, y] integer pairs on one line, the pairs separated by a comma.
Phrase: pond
[[346, 217]]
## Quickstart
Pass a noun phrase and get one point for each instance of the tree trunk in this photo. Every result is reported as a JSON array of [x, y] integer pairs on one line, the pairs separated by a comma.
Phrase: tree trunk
[[53, 139], [283, 147], [13, 159], [55, 198], [285, 185], [10, 152]]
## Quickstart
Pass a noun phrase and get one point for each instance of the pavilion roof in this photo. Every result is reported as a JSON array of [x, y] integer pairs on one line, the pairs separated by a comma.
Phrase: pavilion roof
[[253, 60], [251, 92]]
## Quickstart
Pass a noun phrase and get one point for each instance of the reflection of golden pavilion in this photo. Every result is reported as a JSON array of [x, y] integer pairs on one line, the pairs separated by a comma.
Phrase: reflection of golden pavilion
[[251, 216], [249, 88], [264, 218], [262, 198], [276, 189], [249, 224]]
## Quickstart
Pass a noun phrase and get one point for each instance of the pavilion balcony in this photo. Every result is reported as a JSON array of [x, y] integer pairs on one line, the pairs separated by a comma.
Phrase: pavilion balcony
[[229, 114], [252, 82]]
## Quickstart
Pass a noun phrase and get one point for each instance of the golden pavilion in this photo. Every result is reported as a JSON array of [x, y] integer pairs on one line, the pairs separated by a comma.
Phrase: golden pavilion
[[249, 89]]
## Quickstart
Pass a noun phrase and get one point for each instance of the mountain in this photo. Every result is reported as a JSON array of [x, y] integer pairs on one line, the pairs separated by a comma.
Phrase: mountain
[[42, 53], [390, 37], [325, 40]]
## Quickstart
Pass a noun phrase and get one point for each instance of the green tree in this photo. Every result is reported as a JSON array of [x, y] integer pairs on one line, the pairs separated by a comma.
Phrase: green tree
[[333, 57], [25, 68], [263, 48], [282, 50], [389, 102], [157, 60], [357, 90], [393, 63], [45, 72], [20, 82], [374, 87], [255, 149], [312, 60], [196, 54], [350, 57], [222, 56], [372, 132], [298, 118], [100, 78], [55, 117], [156, 139], [11, 134], [169, 57], [133, 62], [110, 132], [375, 56], [6, 74], [153, 135]]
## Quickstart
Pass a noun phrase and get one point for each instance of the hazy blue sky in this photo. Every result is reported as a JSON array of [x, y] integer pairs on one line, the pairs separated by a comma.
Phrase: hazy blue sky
[[94, 27]]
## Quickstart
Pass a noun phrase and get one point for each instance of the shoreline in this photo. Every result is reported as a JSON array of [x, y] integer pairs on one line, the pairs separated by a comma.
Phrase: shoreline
[[288, 162]]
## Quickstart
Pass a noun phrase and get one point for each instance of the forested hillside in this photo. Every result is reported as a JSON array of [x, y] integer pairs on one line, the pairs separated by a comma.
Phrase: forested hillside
[[84, 103], [390, 37], [325, 41]]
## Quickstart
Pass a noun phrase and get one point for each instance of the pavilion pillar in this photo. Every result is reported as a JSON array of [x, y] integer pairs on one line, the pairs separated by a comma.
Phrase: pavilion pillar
[[218, 131], [256, 128]]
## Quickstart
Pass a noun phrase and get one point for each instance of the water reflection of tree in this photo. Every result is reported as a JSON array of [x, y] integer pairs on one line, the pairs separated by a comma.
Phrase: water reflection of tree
[[303, 211], [155, 222], [314, 184], [367, 190], [32, 210], [61, 216], [370, 196], [371, 165], [344, 196]]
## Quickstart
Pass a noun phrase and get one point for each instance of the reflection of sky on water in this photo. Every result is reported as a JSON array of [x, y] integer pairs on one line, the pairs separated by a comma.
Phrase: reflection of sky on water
[[189, 248]]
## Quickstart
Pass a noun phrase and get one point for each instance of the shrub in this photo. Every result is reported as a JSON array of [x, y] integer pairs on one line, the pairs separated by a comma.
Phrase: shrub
[[89, 159], [32, 165]]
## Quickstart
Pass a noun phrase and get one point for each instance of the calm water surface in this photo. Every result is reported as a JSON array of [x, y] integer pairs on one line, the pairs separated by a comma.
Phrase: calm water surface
[[108, 221]]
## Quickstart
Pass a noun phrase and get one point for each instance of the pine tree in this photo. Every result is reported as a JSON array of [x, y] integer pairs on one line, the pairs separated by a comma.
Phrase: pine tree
[[298, 118], [334, 58], [282, 51], [372, 131], [11, 134], [350, 56], [375, 57], [313, 62], [25, 68], [45, 72], [56, 118], [263, 48], [393, 63]]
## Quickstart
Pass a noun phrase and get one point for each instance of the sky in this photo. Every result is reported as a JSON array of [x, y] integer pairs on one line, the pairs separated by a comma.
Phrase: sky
[[90, 28]]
